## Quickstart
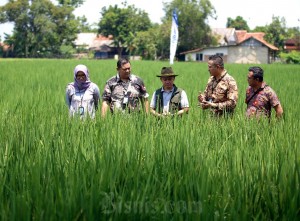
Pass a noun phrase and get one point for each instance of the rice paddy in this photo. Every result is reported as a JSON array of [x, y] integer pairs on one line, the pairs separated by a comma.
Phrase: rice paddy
[[135, 167]]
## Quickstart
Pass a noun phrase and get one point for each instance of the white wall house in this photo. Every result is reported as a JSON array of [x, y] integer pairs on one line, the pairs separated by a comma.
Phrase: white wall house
[[236, 47]]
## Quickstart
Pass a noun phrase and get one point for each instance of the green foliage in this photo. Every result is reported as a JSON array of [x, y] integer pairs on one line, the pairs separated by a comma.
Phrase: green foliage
[[238, 23], [137, 167], [73, 3], [260, 29], [145, 43], [163, 41], [291, 57], [40, 26], [123, 24], [84, 26], [67, 51], [276, 32], [192, 17]]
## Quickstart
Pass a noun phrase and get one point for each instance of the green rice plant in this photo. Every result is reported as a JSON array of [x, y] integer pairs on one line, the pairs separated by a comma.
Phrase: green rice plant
[[136, 167]]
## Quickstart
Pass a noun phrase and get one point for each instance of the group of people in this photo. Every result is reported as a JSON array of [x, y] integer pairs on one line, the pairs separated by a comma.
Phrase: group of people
[[126, 93], [221, 92]]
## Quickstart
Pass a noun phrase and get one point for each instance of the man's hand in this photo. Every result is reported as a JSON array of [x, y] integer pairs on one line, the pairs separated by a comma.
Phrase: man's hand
[[167, 114], [206, 104], [201, 97]]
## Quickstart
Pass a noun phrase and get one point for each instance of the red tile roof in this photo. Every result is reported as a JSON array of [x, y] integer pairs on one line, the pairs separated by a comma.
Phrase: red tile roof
[[243, 35], [236, 37], [101, 37]]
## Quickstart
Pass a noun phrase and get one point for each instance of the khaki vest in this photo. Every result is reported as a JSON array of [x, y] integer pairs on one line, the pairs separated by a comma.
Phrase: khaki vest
[[174, 105]]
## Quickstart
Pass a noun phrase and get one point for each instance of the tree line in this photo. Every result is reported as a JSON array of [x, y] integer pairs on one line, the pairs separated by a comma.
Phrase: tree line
[[45, 29]]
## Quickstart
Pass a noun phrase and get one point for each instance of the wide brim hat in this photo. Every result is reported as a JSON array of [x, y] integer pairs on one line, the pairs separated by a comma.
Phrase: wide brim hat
[[167, 72]]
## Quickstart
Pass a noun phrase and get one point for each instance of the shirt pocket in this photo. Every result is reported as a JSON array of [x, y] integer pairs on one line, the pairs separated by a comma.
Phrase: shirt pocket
[[221, 92]]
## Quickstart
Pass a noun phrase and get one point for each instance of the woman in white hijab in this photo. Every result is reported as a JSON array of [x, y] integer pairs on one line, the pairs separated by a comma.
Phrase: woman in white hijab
[[82, 95]]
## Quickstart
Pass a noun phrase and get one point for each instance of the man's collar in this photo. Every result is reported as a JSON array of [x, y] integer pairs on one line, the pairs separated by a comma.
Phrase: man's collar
[[222, 75], [163, 90], [258, 88], [119, 79]]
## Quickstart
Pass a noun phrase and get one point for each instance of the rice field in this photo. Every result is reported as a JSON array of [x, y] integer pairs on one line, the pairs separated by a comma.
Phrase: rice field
[[137, 167]]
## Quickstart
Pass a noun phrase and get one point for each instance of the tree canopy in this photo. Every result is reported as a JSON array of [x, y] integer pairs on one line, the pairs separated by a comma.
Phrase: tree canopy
[[40, 27], [238, 23], [123, 24], [194, 32], [276, 32], [45, 29]]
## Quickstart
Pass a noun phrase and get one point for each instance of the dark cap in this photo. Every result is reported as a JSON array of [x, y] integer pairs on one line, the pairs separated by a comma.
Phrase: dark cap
[[167, 72]]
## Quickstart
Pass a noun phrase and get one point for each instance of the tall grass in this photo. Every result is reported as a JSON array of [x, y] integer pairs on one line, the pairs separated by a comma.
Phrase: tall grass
[[137, 167]]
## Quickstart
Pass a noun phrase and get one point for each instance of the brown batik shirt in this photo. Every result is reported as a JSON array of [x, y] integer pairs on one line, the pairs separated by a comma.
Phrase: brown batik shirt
[[224, 92]]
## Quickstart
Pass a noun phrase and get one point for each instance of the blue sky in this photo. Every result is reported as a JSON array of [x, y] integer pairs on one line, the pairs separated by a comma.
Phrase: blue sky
[[255, 12]]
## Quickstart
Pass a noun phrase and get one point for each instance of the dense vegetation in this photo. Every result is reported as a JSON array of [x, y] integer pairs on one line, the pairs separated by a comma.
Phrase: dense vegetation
[[137, 167], [47, 29]]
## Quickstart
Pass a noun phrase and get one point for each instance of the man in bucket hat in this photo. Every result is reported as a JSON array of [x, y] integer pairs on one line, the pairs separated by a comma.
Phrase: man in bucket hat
[[168, 100]]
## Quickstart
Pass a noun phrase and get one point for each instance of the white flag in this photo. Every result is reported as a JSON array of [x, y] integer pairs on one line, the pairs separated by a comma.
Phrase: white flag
[[174, 36]]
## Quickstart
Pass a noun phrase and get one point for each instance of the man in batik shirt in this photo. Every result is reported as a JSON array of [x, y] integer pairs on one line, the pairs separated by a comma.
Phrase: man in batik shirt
[[260, 98], [124, 92], [221, 92]]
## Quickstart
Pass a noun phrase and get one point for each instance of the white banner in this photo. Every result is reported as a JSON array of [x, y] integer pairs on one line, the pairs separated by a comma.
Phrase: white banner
[[174, 36]]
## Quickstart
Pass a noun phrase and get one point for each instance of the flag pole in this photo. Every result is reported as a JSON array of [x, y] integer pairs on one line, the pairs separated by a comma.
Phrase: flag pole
[[174, 36]]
